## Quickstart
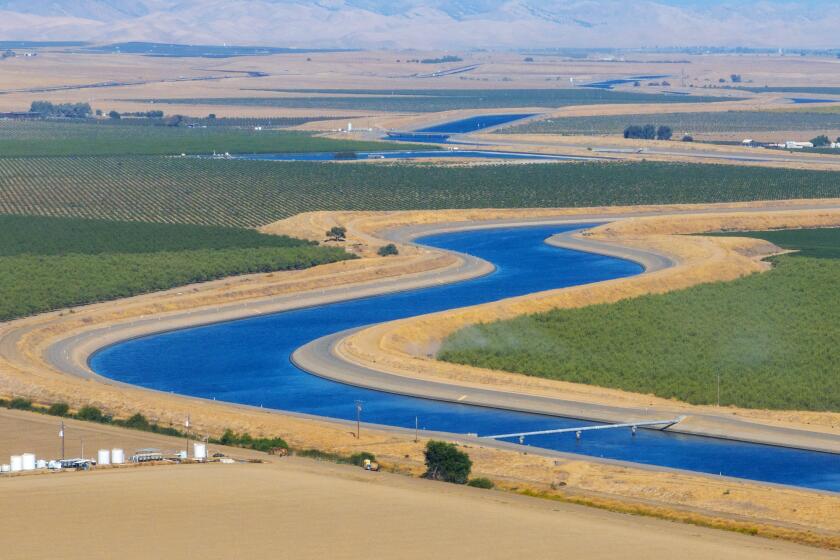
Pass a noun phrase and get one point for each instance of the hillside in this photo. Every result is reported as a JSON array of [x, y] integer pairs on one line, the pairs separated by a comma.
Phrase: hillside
[[428, 24]]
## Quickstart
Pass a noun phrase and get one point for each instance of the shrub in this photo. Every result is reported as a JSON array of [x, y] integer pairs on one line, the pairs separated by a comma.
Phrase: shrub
[[320, 455], [91, 414], [688, 138], [137, 422], [58, 409], [266, 444], [388, 250], [245, 440], [228, 438], [20, 404], [444, 461], [481, 482]]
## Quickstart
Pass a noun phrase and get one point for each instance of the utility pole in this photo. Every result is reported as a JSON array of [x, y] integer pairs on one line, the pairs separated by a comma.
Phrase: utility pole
[[416, 427], [61, 435], [83, 448], [718, 388], [358, 418], [187, 436]]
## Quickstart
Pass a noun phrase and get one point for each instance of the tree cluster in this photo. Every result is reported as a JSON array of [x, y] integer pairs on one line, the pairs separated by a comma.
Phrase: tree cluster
[[62, 110], [821, 141], [445, 462], [648, 132]]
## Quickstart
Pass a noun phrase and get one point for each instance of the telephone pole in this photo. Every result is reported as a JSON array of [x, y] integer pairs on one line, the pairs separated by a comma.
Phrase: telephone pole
[[358, 418], [187, 436], [61, 435]]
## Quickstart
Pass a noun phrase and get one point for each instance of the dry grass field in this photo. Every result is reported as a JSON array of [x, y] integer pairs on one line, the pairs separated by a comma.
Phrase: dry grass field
[[370, 70], [302, 508]]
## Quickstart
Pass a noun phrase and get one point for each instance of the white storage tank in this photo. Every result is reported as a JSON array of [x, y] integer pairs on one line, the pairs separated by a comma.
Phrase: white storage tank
[[200, 451], [41, 464], [117, 456], [103, 457], [5, 468], [16, 463], [28, 461]]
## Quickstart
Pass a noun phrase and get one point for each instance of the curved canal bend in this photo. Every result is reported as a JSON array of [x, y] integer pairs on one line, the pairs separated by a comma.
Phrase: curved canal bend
[[248, 362]]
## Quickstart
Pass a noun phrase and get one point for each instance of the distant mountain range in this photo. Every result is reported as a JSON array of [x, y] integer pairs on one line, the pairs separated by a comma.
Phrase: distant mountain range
[[430, 24]]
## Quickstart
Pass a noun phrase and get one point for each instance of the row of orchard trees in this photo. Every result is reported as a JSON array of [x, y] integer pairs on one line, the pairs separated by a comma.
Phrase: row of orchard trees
[[648, 132]]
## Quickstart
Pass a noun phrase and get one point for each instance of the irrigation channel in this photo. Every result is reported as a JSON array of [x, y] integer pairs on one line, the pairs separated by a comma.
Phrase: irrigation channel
[[247, 361]]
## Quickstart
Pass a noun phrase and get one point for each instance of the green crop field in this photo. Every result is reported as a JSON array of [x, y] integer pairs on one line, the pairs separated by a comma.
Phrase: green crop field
[[253, 193], [771, 337], [817, 243], [39, 139], [692, 123], [55, 263], [419, 101]]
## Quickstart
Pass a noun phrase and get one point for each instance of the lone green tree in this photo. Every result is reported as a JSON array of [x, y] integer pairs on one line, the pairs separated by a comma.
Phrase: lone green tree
[[444, 461], [337, 233], [388, 250]]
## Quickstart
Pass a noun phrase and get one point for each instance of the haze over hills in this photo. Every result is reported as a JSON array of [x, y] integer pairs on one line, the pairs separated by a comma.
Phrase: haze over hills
[[430, 23]]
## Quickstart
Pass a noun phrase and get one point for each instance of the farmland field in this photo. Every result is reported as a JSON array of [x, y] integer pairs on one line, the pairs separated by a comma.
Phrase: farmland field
[[38, 139], [419, 101], [816, 243], [694, 123], [770, 337], [54, 263], [253, 193]]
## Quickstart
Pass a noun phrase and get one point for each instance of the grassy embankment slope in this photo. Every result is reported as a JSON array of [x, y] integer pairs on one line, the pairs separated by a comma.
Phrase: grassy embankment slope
[[771, 337], [40, 139], [53, 263]]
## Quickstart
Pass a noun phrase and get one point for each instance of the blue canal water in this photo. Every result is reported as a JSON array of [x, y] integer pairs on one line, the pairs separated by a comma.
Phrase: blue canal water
[[248, 362], [473, 124], [801, 100]]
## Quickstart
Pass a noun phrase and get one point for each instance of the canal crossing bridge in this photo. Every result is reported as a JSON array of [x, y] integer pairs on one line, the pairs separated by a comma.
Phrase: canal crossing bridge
[[663, 424]]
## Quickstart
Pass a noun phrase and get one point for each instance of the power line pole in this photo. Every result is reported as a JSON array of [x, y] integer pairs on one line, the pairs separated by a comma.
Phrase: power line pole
[[718, 388], [358, 418], [61, 435], [416, 427], [187, 436]]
